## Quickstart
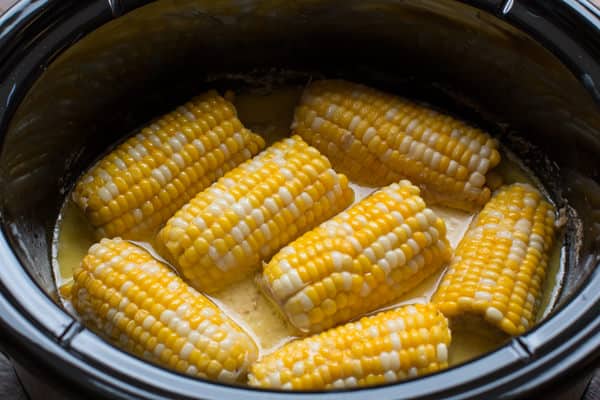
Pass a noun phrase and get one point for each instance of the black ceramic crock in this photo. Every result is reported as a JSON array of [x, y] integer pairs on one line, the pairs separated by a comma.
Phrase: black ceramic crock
[[76, 75]]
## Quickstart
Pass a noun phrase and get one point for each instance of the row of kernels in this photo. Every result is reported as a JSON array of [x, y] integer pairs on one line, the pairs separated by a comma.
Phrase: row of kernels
[[155, 210], [383, 348], [156, 147], [150, 311]]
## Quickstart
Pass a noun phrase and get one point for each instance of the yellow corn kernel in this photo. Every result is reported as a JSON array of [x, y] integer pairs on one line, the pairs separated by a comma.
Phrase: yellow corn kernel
[[500, 265], [390, 346], [371, 253], [376, 139], [138, 303], [226, 231], [139, 185]]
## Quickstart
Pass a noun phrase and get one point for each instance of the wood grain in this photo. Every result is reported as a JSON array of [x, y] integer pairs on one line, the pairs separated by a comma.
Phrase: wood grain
[[4, 4]]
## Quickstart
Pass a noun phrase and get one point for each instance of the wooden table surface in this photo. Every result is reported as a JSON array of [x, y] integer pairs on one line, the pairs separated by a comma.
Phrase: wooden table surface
[[4, 4]]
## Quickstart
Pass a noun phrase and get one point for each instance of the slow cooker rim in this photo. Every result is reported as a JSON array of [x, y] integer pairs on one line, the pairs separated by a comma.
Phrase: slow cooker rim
[[66, 332]]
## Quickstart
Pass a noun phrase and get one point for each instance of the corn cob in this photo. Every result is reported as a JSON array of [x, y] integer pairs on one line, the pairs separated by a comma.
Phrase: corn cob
[[122, 292], [139, 185], [359, 261], [225, 232], [387, 347], [376, 139], [499, 266]]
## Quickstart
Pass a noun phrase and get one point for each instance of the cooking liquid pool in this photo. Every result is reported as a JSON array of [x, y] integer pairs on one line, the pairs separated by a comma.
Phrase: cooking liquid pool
[[270, 114]]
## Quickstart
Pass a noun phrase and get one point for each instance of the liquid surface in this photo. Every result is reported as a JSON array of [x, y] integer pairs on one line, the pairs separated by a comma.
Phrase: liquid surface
[[75, 236], [270, 113]]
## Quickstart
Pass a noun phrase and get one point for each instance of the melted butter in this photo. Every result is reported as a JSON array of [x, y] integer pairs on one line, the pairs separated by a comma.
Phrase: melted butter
[[471, 338], [247, 305], [511, 170], [243, 301], [76, 236], [360, 191], [554, 276], [270, 112], [457, 223]]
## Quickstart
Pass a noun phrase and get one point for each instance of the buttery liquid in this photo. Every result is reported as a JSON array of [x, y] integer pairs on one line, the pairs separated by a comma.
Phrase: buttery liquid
[[270, 113]]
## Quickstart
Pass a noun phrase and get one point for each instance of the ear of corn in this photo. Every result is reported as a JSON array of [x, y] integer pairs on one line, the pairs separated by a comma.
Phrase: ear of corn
[[499, 266], [377, 139], [226, 231], [142, 306], [359, 261], [387, 347], [139, 185]]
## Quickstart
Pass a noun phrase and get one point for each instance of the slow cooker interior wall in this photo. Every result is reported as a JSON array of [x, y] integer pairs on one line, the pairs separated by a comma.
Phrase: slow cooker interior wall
[[444, 52]]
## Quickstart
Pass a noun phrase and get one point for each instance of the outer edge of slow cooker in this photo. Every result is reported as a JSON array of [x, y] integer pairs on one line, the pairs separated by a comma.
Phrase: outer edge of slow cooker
[[524, 15], [522, 353], [22, 22]]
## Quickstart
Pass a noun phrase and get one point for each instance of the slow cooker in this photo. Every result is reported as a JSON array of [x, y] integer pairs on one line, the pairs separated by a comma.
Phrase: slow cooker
[[75, 75]]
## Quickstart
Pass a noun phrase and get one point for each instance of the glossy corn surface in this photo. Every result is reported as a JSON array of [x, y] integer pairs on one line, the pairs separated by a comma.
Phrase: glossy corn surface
[[387, 347], [499, 267], [376, 139], [362, 259], [133, 190], [141, 305], [226, 231]]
